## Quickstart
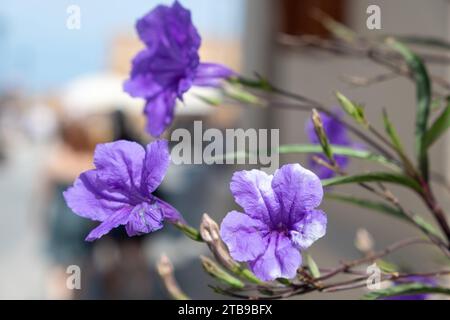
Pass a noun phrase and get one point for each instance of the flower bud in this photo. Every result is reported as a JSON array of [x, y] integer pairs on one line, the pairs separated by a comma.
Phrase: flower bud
[[210, 233], [218, 273], [165, 271], [320, 131], [364, 241]]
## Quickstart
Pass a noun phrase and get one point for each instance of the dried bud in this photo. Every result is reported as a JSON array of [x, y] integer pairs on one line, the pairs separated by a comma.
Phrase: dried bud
[[165, 271], [364, 241], [216, 272], [320, 131], [210, 233]]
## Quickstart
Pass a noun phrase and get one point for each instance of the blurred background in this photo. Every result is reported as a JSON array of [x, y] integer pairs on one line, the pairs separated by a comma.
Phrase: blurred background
[[61, 94]]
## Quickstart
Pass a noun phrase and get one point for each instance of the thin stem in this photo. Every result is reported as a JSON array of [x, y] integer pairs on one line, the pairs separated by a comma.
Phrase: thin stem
[[350, 127], [437, 211], [388, 250]]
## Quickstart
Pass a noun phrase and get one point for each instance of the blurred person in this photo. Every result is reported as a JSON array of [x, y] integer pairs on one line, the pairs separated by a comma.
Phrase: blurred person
[[66, 232], [114, 267]]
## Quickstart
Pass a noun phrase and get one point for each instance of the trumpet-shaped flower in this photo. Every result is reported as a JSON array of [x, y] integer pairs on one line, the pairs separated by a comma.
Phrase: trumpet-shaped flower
[[169, 65], [119, 190], [281, 219]]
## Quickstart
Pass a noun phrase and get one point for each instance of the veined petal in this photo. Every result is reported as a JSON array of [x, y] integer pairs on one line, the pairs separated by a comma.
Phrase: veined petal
[[113, 221], [252, 190], [89, 199], [156, 162], [279, 260], [298, 190], [312, 227], [169, 213], [169, 26], [160, 112], [119, 165], [211, 74], [142, 82], [144, 218], [243, 236]]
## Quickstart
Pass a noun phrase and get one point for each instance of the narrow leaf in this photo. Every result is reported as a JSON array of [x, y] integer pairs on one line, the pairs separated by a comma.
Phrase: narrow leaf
[[395, 139], [423, 85], [236, 92], [406, 290], [386, 267], [382, 208], [392, 133], [439, 127], [425, 41], [338, 150], [374, 177], [313, 148]]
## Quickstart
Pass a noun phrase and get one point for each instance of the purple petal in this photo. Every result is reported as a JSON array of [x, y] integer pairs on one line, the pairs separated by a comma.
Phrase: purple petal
[[113, 221], [298, 190], [157, 160], [323, 172], [142, 83], [252, 190], [144, 218], [280, 259], [169, 213], [89, 198], [312, 227], [243, 236], [119, 165], [211, 74], [160, 112], [168, 26]]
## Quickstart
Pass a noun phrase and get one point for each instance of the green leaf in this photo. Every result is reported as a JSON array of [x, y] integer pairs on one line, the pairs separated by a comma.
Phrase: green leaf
[[356, 111], [386, 267], [315, 148], [382, 208], [236, 92], [337, 150], [439, 127], [426, 225], [425, 41], [312, 265], [338, 29], [374, 177], [367, 204], [423, 85], [406, 290], [395, 139], [208, 99], [392, 132], [284, 281]]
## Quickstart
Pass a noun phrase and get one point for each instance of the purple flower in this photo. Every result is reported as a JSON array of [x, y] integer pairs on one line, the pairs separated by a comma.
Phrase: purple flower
[[280, 219], [414, 279], [337, 135], [119, 190], [169, 65]]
